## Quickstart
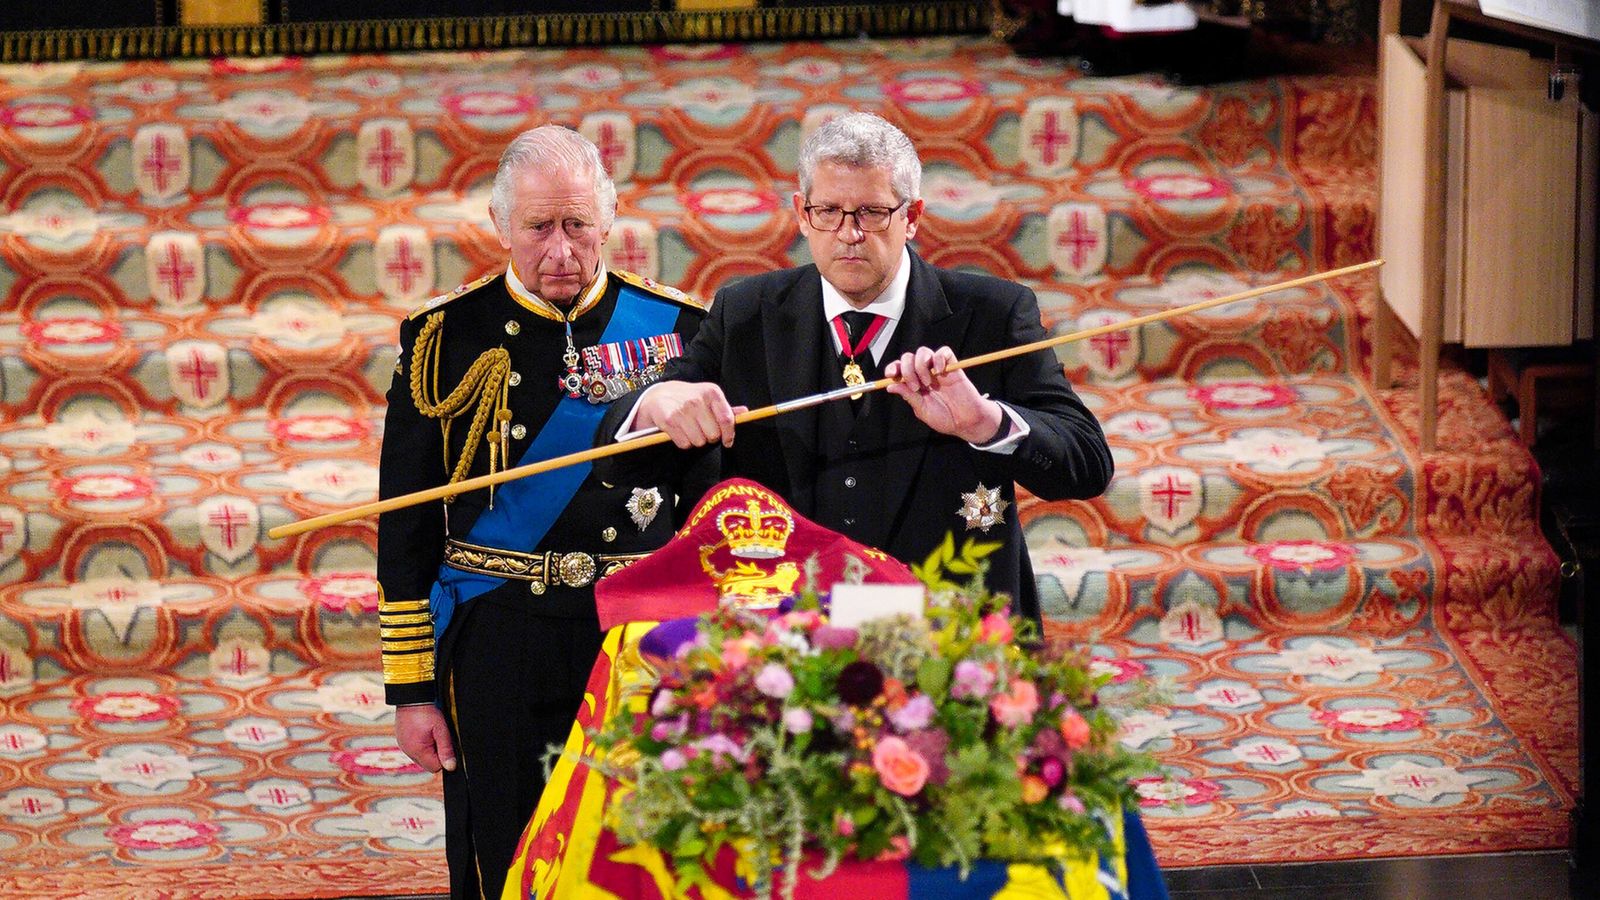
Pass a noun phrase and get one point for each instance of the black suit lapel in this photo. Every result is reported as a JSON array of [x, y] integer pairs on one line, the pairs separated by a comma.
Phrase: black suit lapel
[[792, 333], [928, 321]]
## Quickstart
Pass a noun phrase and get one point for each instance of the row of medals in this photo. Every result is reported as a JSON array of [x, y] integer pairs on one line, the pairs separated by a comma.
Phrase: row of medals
[[598, 387]]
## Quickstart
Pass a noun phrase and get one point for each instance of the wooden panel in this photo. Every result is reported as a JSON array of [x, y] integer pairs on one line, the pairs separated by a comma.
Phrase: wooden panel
[[1521, 202], [1455, 190], [1401, 191], [1588, 220]]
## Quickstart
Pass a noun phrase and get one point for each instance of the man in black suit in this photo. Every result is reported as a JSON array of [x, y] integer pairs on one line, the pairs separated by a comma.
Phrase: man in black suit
[[489, 627], [945, 453]]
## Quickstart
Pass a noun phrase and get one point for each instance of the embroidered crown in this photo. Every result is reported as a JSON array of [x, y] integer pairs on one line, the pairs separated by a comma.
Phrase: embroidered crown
[[756, 531]]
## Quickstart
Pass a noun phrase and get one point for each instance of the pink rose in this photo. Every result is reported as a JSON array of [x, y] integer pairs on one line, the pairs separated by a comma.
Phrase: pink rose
[[996, 629], [900, 768], [735, 654], [1016, 706], [1074, 729]]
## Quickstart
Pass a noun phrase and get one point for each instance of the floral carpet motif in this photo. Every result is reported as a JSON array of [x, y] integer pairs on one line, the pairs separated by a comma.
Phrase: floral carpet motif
[[202, 265]]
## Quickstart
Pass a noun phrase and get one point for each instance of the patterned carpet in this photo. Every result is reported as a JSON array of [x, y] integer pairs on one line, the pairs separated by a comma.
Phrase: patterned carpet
[[203, 268]]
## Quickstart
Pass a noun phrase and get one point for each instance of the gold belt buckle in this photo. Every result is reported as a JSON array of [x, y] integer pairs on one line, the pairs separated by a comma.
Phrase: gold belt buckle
[[577, 569]]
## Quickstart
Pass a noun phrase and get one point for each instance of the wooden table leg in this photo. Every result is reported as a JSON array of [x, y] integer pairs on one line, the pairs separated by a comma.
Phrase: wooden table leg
[[1383, 325], [1431, 328]]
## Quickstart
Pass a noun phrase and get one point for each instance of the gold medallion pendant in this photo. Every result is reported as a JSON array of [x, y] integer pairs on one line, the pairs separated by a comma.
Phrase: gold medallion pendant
[[853, 377]]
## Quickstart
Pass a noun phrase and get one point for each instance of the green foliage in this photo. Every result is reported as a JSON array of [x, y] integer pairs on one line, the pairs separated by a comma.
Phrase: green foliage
[[946, 561], [760, 737]]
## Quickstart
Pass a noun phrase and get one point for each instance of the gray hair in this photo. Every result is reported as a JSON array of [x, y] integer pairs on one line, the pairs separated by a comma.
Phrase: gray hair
[[558, 148], [863, 140]]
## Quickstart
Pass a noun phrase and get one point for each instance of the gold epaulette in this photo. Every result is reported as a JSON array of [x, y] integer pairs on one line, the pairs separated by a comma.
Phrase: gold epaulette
[[460, 291], [652, 286]]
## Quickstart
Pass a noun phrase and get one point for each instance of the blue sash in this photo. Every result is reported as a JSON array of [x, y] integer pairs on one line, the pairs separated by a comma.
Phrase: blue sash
[[525, 509]]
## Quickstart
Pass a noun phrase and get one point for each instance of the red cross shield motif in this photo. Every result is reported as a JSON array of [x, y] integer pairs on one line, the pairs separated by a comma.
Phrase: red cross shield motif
[[16, 669], [197, 372], [1079, 239], [403, 257], [175, 268], [1170, 497], [613, 135], [1111, 355], [386, 155], [1050, 136], [230, 527], [161, 161], [634, 248], [13, 534]]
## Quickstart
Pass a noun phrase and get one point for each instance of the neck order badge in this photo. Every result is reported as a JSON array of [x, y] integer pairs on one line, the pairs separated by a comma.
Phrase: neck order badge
[[845, 326]]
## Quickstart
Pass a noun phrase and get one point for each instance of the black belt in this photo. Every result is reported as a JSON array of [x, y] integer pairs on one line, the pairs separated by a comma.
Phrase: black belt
[[540, 570]]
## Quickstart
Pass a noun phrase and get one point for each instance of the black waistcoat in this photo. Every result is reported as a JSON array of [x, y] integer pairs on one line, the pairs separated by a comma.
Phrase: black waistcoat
[[851, 439]]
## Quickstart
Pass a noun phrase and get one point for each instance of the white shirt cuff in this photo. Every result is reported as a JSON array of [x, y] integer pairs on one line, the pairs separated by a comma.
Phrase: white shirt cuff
[[1008, 444], [627, 432]]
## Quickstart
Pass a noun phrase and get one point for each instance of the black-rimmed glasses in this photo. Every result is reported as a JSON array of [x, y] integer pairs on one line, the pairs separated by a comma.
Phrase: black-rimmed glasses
[[868, 218]]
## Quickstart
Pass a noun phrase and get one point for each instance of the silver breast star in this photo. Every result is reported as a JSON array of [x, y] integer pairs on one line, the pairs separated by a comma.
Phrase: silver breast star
[[983, 508]]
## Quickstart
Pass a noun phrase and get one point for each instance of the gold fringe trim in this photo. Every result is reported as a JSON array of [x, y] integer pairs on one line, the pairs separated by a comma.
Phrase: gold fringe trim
[[490, 32]]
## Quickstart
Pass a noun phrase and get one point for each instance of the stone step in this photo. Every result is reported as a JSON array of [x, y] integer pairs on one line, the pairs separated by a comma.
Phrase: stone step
[[1295, 457], [281, 239], [193, 131], [99, 495], [95, 492], [1202, 594], [120, 618], [124, 364], [149, 303], [1306, 330]]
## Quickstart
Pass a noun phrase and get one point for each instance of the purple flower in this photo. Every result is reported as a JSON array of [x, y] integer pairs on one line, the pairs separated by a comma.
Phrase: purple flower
[[845, 721], [1049, 743], [797, 721], [1070, 801], [1051, 770], [971, 681], [673, 760], [670, 729], [860, 683], [774, 681], [827, 637], [917, 713], [933, 745], [719, 745]]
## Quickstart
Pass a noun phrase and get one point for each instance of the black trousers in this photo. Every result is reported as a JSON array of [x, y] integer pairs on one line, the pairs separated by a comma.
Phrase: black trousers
[[511, 684]]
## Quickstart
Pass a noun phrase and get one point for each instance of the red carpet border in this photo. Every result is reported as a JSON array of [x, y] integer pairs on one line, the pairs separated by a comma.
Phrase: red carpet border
[[201, 269]]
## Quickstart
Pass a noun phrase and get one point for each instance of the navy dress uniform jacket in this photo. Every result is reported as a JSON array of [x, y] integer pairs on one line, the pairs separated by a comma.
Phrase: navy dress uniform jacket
[[509, 670]]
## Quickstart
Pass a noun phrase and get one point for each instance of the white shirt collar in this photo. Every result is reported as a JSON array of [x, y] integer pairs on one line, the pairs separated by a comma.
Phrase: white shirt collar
[[545, 308], [891, 304]]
